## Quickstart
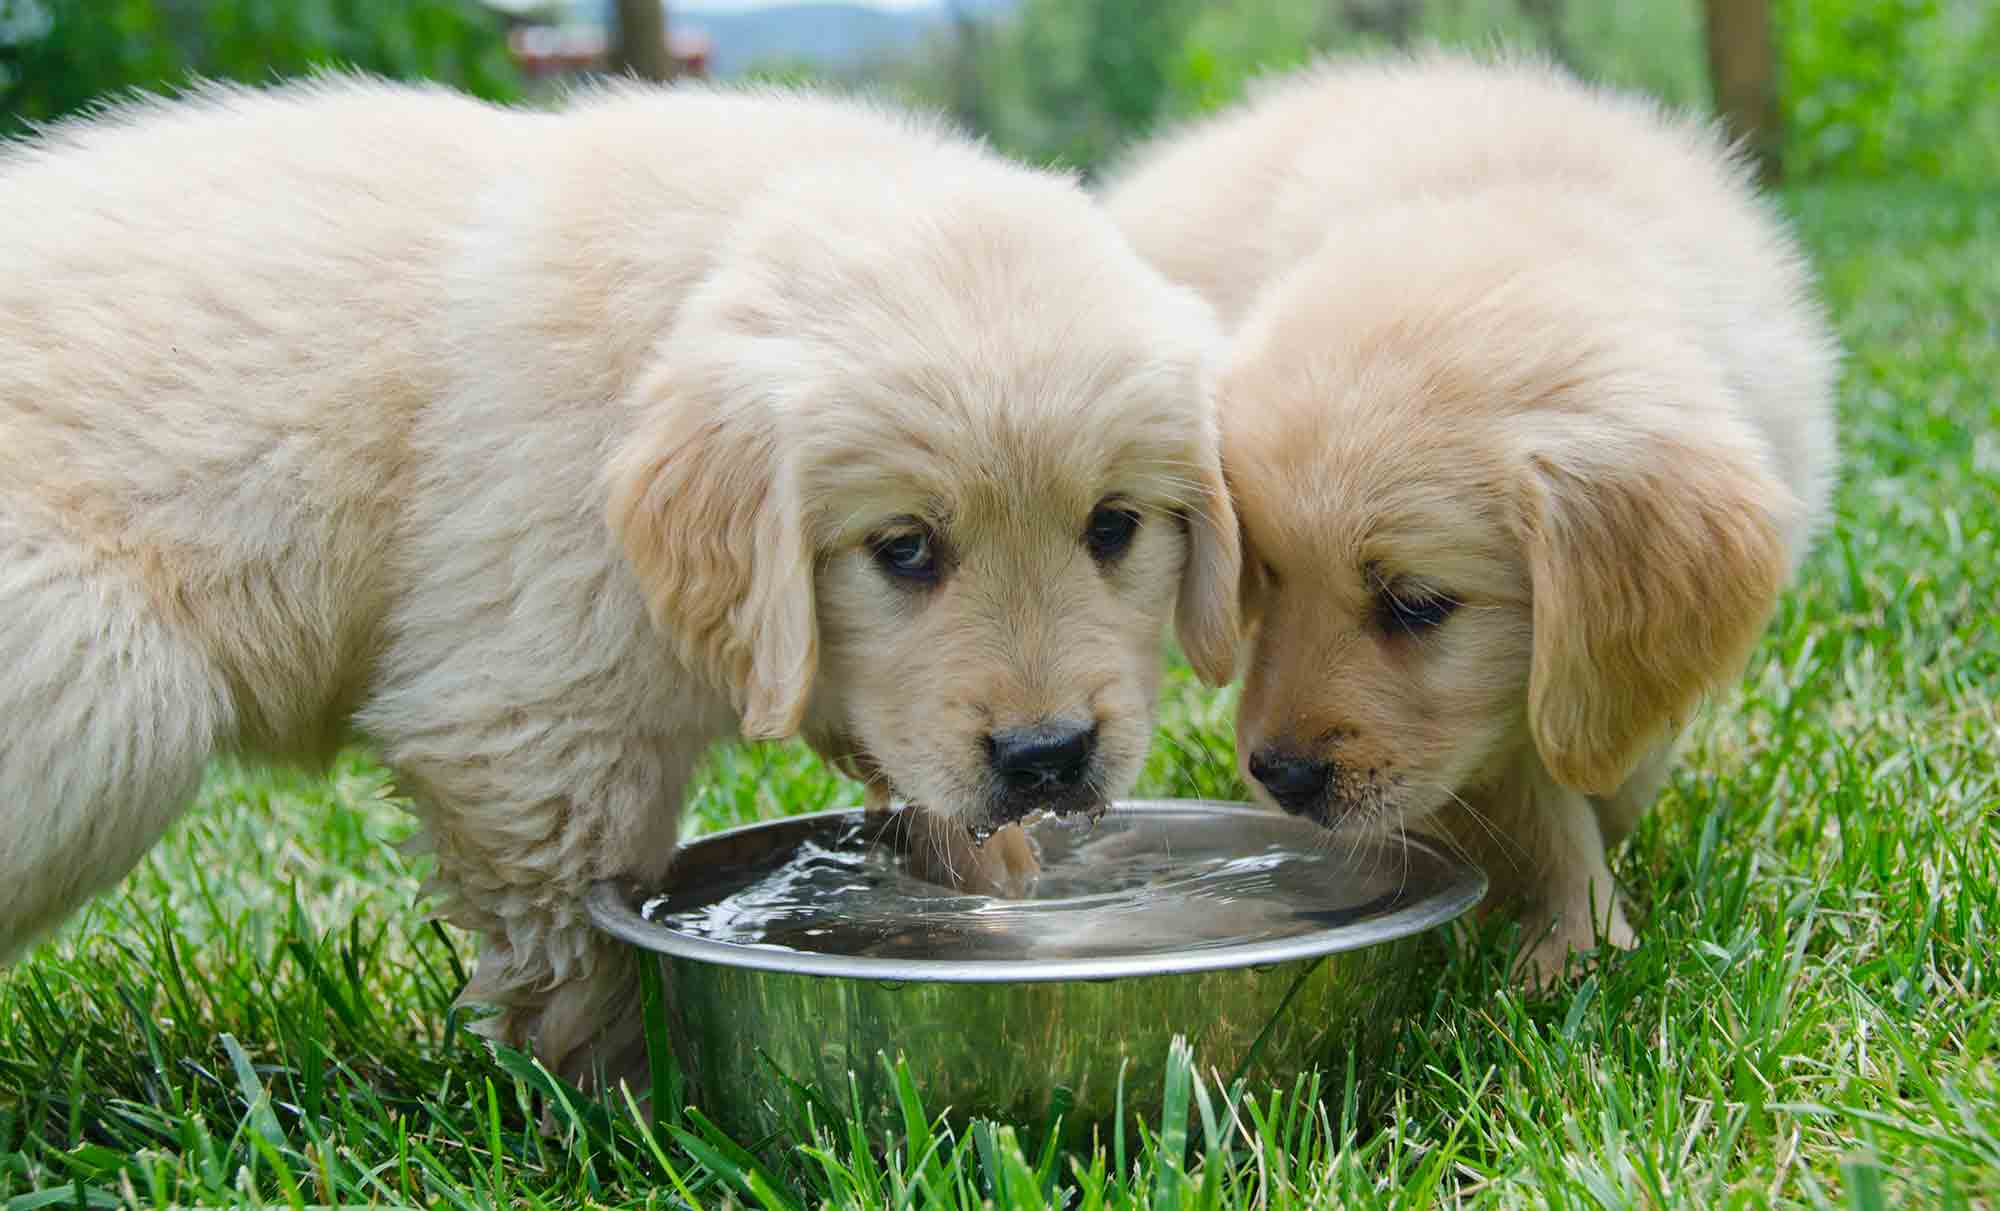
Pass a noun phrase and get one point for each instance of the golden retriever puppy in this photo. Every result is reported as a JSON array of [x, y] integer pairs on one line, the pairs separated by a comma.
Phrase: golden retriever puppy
[[545, 450], [1527, 418]]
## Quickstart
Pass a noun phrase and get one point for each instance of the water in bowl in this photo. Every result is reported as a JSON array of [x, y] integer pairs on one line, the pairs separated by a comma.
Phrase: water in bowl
[[1134, 884]]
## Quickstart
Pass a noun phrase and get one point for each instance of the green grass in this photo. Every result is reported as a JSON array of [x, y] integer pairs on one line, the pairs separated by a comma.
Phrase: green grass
[[260, 1012]]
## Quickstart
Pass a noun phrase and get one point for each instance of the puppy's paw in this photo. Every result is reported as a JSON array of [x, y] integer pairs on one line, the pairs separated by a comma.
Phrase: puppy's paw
[[1551, 940]]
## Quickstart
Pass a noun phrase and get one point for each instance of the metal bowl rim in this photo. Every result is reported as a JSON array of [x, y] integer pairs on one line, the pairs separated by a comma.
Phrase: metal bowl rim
[[610, 910]]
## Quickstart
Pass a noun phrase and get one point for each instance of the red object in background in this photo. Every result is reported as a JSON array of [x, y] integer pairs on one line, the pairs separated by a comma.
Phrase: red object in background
[[547, 51]]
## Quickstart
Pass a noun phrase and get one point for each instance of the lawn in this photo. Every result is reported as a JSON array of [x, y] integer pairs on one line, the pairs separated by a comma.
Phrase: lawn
[[260, 1012]]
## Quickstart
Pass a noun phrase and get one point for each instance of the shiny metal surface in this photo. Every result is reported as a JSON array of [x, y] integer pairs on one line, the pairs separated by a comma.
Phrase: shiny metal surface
[[1012, 1039]]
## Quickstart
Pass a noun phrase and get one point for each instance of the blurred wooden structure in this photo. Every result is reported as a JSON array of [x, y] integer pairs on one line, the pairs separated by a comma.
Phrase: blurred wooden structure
[[551, 52], [1742, 66]]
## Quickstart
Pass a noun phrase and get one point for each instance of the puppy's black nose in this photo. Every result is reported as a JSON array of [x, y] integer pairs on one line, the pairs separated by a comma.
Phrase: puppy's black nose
[[1297, 783], [1049, 755]]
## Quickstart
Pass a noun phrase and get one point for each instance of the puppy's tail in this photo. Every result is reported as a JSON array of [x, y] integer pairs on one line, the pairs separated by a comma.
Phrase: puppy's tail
[[107, 716]]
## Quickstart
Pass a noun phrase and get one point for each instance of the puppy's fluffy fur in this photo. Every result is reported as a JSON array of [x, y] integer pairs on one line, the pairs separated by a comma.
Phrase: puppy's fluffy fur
[[550, 448], [1528, 422]]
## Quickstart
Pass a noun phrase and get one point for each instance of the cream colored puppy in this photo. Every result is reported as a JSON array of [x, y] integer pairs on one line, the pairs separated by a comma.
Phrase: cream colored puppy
[[547, 449], [1528, 423]]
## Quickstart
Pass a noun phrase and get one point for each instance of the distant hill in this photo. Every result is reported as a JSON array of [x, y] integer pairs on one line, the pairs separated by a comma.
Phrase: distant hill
[[825, 35]]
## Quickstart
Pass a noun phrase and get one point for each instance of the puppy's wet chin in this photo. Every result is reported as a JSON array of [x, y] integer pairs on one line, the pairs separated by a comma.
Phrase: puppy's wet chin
[[979, 814], [994, 805], [1087, 802]]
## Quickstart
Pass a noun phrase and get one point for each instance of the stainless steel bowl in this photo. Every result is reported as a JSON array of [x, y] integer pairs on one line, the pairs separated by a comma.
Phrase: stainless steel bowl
[[1016, 1010]]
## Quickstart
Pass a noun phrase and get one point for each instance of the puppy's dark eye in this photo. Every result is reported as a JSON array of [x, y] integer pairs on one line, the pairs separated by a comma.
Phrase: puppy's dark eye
[[1110, 530], [1412, 611], [909, 555]]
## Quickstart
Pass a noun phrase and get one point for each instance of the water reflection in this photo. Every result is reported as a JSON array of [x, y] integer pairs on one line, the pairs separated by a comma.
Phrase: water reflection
[[1136, 884]]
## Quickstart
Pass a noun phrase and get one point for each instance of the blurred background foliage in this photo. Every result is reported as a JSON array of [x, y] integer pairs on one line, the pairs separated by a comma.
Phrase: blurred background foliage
[[1872, 88], [1879, 88], [59, 56], [1866, 88], [1067, 83]]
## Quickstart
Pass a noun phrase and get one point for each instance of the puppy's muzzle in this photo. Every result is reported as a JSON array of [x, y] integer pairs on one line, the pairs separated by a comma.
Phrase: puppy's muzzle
[[1298, 783], [1046, 765]]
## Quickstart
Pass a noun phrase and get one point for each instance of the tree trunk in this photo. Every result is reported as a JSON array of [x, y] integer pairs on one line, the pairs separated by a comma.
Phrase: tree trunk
[[639, 44], [968, 85], [1395, 21], [1548, 17], [1742, 65]]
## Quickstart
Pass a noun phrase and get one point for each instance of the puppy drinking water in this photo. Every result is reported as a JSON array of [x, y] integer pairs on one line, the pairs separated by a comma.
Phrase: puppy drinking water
[[1528, 422], [546, 450]]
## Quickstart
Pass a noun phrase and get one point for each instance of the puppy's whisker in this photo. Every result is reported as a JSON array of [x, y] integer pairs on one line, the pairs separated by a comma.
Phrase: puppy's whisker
[[1356, 835], [1363, 837], [1501, 841], [1385, 836], [1445, 838], [1403, 838]]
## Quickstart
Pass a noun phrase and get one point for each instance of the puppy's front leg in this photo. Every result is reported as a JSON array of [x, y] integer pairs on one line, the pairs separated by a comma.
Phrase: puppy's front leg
[[1573, 904], [1618, 814], [1543, 848], [517, 853]]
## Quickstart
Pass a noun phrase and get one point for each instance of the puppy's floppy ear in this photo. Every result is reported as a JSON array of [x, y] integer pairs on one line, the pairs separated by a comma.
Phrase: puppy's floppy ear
[[1655, 562], [1207, 616], [710, 520]]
